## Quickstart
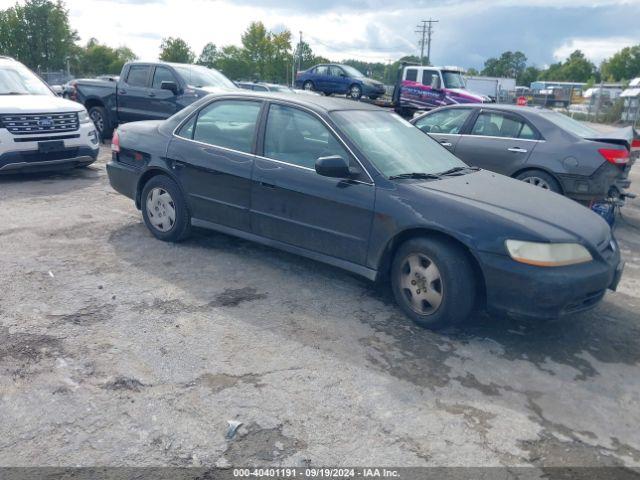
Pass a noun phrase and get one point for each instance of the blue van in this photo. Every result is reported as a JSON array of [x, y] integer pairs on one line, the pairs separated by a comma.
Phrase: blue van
[[330, 78]]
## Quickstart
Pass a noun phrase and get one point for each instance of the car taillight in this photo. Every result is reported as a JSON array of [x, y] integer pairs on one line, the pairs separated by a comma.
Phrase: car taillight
[[615, 156], [635, 145], [115, 142]]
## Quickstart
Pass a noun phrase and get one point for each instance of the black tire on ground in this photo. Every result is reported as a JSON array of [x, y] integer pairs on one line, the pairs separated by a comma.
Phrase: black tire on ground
[[180, 228], [308, 85], [355, 92], [100, 119], [456, 283], [540, 179]]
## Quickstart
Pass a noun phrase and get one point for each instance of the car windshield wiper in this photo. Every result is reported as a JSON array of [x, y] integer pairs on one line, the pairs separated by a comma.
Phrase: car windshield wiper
[[433, 176], [454, 170]]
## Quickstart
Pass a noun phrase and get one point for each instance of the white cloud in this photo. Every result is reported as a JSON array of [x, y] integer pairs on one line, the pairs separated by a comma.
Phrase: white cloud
[[595, 49]]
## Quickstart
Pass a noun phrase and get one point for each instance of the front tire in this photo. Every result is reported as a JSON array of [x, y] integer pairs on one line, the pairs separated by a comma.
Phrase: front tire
[[355, 92], [433, 282], [164, 209]]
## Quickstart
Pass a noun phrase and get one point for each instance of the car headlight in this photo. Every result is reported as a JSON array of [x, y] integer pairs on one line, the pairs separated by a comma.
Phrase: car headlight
[[547, 254], [83, 116]]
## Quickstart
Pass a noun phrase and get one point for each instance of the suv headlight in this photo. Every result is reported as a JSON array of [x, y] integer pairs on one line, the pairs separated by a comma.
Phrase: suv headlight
[[83, 116], [547, 254]]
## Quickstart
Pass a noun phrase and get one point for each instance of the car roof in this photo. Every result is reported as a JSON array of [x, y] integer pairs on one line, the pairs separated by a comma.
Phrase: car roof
[[314, 102], [498, 106]]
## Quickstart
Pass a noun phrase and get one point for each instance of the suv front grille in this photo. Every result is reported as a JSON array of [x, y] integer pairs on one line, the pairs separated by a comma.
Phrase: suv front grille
[[29, 124]]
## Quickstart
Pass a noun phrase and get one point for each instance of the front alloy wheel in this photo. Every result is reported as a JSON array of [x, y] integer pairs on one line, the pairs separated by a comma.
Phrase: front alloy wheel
[[355, 92]]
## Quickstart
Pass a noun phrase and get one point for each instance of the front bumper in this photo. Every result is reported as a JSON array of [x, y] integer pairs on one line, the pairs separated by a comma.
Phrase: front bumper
[[22, 162], [372, 90], [544, 293]]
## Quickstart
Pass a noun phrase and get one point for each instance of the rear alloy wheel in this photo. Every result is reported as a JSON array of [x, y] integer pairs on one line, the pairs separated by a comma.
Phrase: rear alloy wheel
[[540, 179], [308, 85], [164, 209], [433, 282], [100, 120], [355, 92]]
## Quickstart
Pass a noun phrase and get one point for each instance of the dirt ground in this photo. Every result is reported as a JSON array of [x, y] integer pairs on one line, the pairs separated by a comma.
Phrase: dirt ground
[[118, 349]]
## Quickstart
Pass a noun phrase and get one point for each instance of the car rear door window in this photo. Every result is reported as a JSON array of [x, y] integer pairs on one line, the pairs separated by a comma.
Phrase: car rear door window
[[229, 124], [298, 138], [411, 74], [162, 74], [495, 124], [322, 70], [138, 75], [449, 121]]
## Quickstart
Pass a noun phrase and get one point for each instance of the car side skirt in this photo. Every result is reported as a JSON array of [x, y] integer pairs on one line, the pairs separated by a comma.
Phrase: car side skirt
[[363, 271]]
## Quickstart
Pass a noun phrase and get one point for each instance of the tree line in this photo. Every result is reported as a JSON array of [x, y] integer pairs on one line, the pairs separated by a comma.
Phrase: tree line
[[38, 33]]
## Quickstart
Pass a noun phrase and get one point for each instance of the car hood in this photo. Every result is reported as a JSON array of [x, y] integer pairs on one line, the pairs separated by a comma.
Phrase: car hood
[[37, 104], [463, 92], [547, 216]]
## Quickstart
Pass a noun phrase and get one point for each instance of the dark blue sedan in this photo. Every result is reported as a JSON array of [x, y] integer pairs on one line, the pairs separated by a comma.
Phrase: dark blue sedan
[[360, 188], [340, 80]]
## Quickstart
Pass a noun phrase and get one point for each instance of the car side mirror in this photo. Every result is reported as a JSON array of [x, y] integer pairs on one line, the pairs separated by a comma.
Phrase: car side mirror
[[435, 83], [333, 166], [171, 86]]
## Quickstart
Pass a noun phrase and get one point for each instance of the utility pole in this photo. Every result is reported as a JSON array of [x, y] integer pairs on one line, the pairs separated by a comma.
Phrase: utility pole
[[425, 29]]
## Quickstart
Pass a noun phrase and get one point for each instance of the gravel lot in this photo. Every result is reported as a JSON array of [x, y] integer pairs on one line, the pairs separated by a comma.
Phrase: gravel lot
[[118, 349]]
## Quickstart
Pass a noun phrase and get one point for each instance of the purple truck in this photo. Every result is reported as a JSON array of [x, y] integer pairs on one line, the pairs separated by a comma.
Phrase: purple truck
[[425, 87]]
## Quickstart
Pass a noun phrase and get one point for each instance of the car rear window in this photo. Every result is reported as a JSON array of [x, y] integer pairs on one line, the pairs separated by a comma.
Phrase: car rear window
[[569, 124]]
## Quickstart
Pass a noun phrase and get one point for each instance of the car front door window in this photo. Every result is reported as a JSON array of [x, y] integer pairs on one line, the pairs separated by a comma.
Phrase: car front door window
[[298, 138], [229, 124], [162, 74], [449, 121]]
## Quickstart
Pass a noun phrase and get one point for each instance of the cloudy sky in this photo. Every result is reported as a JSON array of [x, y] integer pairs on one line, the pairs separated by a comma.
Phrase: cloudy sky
[[468, 32]]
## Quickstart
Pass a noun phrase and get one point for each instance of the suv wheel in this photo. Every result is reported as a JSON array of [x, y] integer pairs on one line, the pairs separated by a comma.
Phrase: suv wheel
[[433, 282], [540, 179], [164, 209], [355, 92]]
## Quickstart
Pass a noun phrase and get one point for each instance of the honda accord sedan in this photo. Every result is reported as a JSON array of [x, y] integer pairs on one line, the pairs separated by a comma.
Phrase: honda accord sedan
[[360, 188], [538, 146]]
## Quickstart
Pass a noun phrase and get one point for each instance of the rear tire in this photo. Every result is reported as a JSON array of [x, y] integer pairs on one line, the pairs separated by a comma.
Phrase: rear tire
[[101, 121], [308, 85], [433, 282], [164, 209], [540, 179]]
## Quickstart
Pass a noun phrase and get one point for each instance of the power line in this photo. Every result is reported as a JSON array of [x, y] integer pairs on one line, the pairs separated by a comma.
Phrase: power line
[[425, 29]]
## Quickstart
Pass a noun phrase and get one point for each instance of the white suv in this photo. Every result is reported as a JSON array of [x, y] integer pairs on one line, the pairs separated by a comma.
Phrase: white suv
[[38, 130]]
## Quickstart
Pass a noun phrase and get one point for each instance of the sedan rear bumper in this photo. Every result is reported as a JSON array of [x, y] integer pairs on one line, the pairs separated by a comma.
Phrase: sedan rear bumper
[[123, 179], [543, 293]]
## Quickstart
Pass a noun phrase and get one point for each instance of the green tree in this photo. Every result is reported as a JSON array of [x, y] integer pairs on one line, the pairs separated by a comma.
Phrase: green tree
[[509, 64], [472, 72], [233, 64], [176, 50], [576, 68], [624, 65], [96, 59], [38, 34], [529, 76], [209, 55], [256, 43]]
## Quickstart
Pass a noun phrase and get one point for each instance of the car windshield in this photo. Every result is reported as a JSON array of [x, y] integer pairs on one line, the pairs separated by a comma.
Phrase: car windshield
[[19, 80], [393, 145], [453, 80], [199, 77], [352, 72], [570, 125]]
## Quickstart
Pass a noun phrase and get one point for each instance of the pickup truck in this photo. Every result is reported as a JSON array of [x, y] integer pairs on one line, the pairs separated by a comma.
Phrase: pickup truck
[[146, 91]]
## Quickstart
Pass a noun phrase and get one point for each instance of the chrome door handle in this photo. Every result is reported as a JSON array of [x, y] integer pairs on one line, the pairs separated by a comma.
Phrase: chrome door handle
[[444, 143], [517, 150]]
